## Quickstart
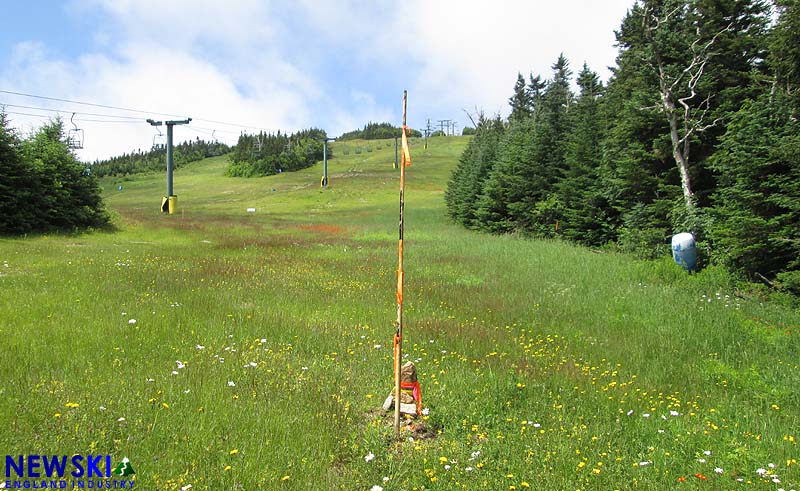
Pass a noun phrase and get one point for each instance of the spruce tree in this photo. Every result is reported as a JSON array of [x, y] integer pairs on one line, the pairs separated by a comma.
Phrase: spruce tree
[[17, 184], [521, 102], [467, 180], [757, 226], [68, 196], [580, 191]]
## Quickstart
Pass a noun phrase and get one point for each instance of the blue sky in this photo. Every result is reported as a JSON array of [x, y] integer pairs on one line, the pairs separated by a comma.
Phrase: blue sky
[[283, 65]]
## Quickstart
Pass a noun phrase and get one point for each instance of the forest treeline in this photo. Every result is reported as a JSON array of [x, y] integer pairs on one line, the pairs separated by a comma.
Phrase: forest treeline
[[43, 186], [155, 159], [266, 154], [695, 131], [377, 131]]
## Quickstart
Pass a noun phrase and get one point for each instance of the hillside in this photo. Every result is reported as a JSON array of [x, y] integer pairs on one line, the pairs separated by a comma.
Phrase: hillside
[[229, 349]]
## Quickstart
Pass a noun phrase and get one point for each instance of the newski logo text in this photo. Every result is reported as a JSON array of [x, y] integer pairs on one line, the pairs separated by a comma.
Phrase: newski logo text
[[66, 472]]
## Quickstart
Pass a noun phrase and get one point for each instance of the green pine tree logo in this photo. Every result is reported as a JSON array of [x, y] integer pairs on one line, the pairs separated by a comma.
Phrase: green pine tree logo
[[124, 468]]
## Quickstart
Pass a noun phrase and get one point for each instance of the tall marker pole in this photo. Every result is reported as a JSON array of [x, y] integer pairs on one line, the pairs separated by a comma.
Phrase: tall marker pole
[[398, 336]]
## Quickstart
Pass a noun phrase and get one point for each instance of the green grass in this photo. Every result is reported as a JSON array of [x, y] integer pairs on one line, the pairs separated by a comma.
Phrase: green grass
[[539, 360]]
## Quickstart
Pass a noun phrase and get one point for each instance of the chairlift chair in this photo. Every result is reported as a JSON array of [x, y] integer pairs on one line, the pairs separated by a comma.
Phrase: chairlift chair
[[159, 141], [74, 136]]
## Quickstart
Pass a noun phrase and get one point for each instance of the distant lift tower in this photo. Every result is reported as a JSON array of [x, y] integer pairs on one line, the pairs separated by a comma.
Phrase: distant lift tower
[[324, 181], [170, 202]]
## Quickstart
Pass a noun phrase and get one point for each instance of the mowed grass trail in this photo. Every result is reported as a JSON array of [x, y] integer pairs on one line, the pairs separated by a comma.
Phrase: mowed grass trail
[[231, 350]]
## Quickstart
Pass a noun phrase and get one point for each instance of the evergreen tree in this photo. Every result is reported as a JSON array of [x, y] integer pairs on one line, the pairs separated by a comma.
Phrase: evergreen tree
[[758, 202], [16, 184], [535, 89], [521, 102], [466, 183], [584, 211], [519, 194], [784, 50], [67, 195], [515, 183]]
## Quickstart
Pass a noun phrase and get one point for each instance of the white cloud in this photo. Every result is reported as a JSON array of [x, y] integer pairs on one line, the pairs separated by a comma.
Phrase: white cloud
[[472, 52], [262, 63]]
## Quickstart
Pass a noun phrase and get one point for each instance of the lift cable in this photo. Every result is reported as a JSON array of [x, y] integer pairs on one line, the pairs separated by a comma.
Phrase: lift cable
[[117, 108]]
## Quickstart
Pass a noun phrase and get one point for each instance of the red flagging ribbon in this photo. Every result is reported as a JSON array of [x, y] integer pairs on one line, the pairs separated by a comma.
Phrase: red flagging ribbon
[[416, 392]]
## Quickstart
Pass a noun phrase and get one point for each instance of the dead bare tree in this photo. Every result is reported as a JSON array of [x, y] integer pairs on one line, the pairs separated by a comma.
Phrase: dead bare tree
[[686, 113]]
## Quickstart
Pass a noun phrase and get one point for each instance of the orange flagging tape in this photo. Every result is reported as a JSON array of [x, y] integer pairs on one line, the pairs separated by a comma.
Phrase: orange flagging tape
[[406, 157]]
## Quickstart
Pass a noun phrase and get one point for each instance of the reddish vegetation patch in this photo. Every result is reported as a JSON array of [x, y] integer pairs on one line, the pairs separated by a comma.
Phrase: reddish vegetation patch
[[323, 228]]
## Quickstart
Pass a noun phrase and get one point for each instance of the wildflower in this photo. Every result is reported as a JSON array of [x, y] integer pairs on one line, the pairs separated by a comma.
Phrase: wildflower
[[524, 484], [148, 380], [186, 488], [771, 465], [646, 415], [469, 469], [385, 479], [174, 372], [702, 461], [719, 470], [131, 321], [426, 411], [707, 452], [629, 412], [681, 479], [102, 408], [180, 364], [121, 420], [231, 383], [234, 451], [369, 457], [227, 468], [200, 347], [165, 405], [57, 415], [644, 463], [701, 477], [72, 405], [475, 455], [285, 478], [761, 471], [596, 471], [447, 467], [376, 488]]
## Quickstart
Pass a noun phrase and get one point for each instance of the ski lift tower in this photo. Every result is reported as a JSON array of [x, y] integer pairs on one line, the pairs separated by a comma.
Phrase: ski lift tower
[[170, 201], [324, 181]]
